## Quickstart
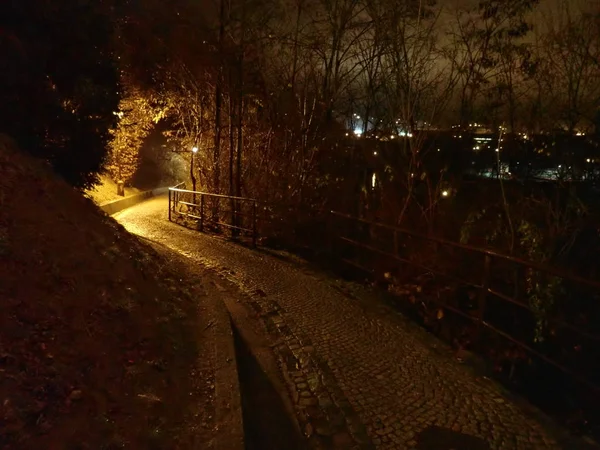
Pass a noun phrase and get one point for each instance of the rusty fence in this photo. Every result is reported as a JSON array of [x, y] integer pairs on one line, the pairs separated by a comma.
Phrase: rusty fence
[[542, 311], [508, 297], [215, 212]]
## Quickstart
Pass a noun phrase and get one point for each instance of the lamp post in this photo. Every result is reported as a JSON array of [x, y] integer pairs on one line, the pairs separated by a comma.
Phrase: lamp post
[[193, 177], [120, 182]]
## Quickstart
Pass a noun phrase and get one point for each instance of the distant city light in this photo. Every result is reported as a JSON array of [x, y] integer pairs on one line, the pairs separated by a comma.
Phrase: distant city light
[[375, 153], [445, 193], [374, 180]]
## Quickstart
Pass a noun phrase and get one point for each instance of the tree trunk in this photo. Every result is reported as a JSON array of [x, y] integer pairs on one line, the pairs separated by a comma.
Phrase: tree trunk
[[240, 105], [232, 107], [232, 205], [240, 124], [218, 101]]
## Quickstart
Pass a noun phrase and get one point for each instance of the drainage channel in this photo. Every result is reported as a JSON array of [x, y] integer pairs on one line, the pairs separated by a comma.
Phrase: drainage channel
[[267, 425]]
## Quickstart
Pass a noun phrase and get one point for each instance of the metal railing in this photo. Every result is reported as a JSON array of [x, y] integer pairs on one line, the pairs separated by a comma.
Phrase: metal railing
[[489, 266], [209, 210], [376, 247]]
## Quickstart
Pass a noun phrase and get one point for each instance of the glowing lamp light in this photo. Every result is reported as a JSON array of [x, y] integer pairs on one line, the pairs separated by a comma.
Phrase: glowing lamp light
[[445, 193], [374, 153], [195, 149]]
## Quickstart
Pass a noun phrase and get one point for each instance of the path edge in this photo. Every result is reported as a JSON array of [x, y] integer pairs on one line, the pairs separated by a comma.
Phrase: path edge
[[115, 206], [228, 401]]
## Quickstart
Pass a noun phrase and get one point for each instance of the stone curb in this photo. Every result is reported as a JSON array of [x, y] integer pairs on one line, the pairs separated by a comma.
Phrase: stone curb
[[228, 403], [258, 344], [115, 206], [319, 408]]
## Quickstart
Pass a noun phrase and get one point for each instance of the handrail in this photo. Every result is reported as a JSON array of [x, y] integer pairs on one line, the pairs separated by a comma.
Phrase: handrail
[[484, 288], [208, 194], [175, 195], [482, 285], [481, 317], [483, 251]]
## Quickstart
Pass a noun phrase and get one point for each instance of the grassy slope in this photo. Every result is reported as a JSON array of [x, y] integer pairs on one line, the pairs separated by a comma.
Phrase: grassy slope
[[106, 191], [97, 339]]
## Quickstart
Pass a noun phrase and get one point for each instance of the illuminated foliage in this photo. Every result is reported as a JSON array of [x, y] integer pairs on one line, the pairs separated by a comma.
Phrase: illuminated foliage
[[137, 114]]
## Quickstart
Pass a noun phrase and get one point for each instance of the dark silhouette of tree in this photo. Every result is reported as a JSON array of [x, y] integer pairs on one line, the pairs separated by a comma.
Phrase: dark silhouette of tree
[[59, 83]]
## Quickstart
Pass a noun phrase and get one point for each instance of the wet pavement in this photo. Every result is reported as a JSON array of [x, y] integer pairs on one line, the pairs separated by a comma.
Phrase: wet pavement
[[359, 374]]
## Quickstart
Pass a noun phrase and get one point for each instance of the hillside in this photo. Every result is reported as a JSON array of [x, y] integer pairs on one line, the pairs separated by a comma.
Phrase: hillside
[[97, 338]]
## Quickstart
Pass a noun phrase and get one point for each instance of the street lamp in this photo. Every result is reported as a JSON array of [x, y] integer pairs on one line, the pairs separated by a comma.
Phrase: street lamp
[[194, 151]]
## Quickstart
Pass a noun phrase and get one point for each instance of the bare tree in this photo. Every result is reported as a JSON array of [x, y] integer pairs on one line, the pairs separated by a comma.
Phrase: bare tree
[[569, 45], [418, 86], [486, 40]]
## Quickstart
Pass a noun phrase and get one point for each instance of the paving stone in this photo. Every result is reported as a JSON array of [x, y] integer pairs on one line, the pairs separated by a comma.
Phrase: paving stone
[[342, 440], [324, 401], [307, 401]]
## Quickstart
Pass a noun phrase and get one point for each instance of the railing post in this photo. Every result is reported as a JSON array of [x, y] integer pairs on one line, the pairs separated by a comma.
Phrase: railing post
[[485, 284], [254, 223], [330, 238], [234, 210], [169, 205], [201, 212]]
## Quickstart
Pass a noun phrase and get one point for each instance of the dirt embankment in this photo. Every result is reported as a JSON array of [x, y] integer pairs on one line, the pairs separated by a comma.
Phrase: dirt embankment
[[98, 339]]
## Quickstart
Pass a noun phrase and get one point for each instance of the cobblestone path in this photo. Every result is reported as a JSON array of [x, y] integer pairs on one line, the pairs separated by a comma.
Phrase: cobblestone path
[[360, 375]]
